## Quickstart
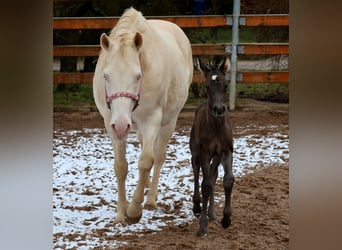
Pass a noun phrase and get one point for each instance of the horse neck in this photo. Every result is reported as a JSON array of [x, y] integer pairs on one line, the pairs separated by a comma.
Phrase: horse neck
[[147, 52]]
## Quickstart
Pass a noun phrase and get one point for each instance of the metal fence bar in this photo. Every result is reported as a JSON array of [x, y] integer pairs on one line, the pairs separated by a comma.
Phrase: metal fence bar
[[233, 60]]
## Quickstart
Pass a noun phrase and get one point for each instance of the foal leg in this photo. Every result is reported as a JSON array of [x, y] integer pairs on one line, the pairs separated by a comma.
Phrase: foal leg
[[207, 189], [159, 158], [213, 175], [228, 182], [196, 198]]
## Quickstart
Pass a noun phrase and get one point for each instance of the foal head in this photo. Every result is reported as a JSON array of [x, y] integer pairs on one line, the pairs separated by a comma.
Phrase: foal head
[[216, 86]]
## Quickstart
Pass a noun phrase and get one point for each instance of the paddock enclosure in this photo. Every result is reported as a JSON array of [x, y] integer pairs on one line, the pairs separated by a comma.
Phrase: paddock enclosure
[[84, 188]]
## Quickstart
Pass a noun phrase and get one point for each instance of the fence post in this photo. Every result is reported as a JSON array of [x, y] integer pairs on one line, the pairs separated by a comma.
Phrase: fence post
[[233, 60]]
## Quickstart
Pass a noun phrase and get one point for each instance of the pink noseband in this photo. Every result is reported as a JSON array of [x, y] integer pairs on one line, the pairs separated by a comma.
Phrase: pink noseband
[[135, 97]]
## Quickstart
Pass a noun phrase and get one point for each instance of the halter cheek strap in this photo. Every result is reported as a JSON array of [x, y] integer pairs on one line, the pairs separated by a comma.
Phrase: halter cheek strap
[[135, 97]]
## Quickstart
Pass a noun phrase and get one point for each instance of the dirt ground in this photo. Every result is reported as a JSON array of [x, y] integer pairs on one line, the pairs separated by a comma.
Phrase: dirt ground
[[260, 218]]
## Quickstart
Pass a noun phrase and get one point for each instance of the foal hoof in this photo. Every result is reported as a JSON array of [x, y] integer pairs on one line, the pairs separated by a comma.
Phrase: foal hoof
[[225, 222], [197, 210], [201, 234]]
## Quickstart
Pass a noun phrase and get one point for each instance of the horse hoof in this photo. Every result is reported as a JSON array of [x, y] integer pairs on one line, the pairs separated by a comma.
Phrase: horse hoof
[[121, 221], [225, 222], [212, 219], [197, 215], [130, 220], [197, 211], [201, 234], [150, 205], [133, 213]]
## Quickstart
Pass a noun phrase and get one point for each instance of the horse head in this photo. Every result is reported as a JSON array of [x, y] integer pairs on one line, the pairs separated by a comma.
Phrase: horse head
[[123, 77], [216, 86]]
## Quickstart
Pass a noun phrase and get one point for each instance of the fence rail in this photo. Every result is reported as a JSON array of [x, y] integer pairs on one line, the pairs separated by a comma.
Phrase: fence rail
[[72, 23], [197, 49], [181, 21], [245, 77]]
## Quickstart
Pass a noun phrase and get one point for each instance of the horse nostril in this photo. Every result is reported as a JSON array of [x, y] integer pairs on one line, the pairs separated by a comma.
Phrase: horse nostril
[[223, 109], [121, 130], [219, 110]]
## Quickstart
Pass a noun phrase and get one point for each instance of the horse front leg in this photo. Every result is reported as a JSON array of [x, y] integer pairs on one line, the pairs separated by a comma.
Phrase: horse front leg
[[159, 159], [120, 170], [196, 198], [228, 182], [206, 189], [149, 133], [213, 175]]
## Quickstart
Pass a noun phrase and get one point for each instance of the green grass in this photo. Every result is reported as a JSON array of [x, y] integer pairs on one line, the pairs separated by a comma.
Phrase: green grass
[[73, 94]]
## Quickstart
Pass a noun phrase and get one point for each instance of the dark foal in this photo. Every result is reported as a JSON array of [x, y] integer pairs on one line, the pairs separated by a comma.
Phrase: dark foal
[[211, 144]]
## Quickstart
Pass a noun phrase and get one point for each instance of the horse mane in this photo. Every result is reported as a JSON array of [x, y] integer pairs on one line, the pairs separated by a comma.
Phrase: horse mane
[[129, 23]]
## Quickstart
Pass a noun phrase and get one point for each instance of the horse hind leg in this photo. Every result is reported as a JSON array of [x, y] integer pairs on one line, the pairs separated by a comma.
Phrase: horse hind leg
[[148, 182]]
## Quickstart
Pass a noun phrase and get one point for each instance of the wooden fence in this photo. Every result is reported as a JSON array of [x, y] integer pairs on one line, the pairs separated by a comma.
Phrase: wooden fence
[[81, 23]]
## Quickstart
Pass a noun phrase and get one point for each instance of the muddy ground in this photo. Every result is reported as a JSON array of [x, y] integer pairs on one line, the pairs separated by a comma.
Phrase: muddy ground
[[260, 205]]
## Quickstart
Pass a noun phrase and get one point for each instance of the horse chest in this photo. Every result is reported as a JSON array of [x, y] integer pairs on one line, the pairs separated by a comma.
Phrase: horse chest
[[215, 147]]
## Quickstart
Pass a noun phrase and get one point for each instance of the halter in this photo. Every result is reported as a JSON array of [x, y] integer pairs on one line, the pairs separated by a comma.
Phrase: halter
[[135, 97]]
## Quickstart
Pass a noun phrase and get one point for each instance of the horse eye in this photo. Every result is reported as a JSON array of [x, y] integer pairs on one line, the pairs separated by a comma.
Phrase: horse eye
[[105, 76]]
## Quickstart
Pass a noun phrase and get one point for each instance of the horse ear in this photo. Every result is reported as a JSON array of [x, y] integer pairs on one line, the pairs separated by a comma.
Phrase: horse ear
[[138, 40], [204, 68], [225, 66], [104, 41]]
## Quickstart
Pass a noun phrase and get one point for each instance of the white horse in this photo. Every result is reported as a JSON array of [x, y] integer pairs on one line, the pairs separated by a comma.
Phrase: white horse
[[141, 83]]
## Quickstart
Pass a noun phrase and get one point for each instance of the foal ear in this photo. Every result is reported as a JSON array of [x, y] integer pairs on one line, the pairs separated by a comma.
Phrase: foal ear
[[105, 41], [138, 40], [225, 66], [204, 68]]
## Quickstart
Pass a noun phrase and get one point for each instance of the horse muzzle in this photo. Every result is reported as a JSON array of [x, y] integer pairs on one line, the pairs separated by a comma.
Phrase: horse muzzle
[[121, 128], [219, 110]]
